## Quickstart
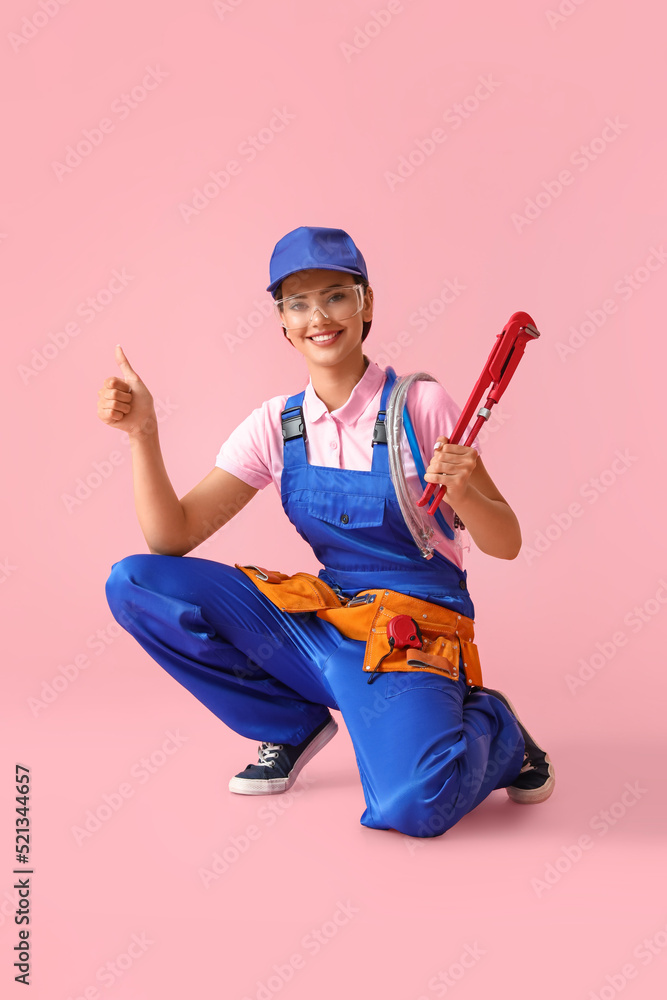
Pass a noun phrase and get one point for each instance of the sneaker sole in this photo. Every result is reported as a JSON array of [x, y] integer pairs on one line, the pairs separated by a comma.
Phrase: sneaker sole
[[529, 796], [273, 786]]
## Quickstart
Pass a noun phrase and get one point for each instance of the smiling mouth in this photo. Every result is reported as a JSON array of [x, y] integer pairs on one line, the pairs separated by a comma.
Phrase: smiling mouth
[[324, 338]]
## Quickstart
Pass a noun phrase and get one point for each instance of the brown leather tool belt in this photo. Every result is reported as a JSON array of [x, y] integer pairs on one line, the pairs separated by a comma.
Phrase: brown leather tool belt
[[447, 636]]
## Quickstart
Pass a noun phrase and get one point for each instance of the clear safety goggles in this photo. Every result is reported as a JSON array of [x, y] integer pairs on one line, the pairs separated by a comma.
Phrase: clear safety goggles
[[338, 303]]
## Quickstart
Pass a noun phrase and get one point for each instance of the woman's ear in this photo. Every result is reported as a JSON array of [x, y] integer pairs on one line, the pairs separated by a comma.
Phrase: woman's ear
[[369, 296]]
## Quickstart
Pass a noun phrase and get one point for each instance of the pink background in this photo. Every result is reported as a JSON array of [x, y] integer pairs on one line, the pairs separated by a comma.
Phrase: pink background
[[361, 97]]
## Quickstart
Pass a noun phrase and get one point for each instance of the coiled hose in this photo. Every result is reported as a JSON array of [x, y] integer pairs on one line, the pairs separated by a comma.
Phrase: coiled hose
[[416, 518]]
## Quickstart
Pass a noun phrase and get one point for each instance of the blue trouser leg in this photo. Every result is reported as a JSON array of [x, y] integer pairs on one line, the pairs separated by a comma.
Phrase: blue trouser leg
[[209, 627], [428, 750]]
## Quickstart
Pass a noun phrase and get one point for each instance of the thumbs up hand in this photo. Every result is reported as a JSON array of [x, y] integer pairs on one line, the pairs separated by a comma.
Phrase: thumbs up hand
[[126, 402]]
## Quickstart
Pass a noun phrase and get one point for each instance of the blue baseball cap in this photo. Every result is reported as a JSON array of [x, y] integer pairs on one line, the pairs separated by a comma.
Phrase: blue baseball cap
[[314, 247]]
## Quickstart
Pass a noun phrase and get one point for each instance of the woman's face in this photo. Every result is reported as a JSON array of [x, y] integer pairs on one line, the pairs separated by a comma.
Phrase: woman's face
[[347, 341]]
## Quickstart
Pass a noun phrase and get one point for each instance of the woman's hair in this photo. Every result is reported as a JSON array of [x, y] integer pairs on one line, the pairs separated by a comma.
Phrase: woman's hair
[[359, 281]]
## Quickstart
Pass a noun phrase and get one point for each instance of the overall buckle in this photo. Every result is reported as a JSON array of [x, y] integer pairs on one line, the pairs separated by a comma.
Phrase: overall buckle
[[380, 429], [293, 426]]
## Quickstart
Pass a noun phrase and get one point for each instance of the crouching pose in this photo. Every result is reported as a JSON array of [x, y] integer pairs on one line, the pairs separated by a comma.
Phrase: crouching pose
[[381, 635]]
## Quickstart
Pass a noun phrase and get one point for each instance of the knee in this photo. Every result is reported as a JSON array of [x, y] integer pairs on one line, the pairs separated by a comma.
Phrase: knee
[[414, 814], [124, 574]]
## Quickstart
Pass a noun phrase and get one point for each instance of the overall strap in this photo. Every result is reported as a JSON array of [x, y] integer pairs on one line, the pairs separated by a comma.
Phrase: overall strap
[[294, 431], [381, 456]]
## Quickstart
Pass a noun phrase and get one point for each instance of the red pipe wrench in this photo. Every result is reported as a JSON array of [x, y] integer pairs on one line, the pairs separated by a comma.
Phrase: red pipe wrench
[[498, 370]]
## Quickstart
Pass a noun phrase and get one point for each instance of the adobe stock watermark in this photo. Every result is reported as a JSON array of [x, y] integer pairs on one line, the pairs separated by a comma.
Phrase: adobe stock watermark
[[87, 310], [122, 107], [311, 944], [454, 117], [444, 980], [551, 190], [625, 288], [141, 771], [386, 351], [32, 24], [224, 7], [591, 491], [9, 904], [635, 620], [248, 150], [498, 419], [647, 949], [107, 975], [365, 33], [67, 673], [249, 324], [260, 657], [564, 11], [571, 854], [237, 846], [102, 470], [7, 569]]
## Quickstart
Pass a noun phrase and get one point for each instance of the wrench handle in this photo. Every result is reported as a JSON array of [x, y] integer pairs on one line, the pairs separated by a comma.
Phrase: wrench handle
[[501, 364]]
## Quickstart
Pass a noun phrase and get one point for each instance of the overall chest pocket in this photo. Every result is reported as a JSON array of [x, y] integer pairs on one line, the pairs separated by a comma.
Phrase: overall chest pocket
[[345, 510]]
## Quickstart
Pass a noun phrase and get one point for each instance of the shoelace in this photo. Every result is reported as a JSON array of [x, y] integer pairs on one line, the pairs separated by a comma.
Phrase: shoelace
[[527, 764], [267, 754]]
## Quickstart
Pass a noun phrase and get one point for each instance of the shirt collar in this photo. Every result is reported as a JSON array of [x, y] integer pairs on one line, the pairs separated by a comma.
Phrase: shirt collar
[[359, 399]]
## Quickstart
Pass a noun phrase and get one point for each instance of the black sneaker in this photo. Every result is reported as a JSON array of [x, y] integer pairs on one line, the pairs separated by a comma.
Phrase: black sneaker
[[280, 763], [536, 779]]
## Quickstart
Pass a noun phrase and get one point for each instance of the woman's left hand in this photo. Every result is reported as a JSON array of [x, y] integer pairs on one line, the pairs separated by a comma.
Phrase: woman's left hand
[[452, 466]]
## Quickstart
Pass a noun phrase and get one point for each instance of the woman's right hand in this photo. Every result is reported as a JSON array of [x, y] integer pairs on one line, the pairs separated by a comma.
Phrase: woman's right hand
[[126, 402]]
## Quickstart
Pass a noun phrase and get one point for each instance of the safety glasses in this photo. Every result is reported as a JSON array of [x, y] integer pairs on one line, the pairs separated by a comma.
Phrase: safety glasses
[[338, 303]]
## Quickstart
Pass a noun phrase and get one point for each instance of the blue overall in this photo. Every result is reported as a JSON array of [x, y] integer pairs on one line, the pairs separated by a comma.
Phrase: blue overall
[[429, 749]]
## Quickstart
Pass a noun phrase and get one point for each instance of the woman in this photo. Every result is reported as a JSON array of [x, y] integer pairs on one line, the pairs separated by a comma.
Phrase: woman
[[271, 654]]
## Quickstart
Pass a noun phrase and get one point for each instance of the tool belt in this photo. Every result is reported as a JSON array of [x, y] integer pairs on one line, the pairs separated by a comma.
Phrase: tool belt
[[446, 636]]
